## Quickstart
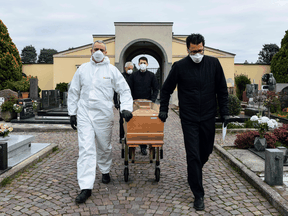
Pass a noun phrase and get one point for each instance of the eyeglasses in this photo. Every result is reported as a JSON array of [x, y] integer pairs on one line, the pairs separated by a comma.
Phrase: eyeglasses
[[96, 49], [193, 52]]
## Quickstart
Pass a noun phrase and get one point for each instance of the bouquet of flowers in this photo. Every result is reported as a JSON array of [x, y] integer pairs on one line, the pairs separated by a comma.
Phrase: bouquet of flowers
[[17, 108], [35, 105], [5, 130], [263, 124]]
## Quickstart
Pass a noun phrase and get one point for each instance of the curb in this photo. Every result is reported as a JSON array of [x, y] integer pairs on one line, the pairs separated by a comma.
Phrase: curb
[[28, 162], [41, 129], [270, 194]]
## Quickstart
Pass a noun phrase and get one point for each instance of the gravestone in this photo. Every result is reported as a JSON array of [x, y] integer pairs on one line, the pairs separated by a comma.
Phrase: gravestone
[[271, 82], [65, 95], [6, 93], [50, 99], [2, 99], [34, 89], [45, 99], [274, 167], [244, 97], [251, 89], [284, 98]]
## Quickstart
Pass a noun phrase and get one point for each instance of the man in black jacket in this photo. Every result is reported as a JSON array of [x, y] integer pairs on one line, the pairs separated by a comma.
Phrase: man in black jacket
[[200, 81], [143, 85], [127, 73]]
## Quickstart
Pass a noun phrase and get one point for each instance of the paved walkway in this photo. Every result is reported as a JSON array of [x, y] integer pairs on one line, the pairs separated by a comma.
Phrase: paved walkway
[[50, 186]]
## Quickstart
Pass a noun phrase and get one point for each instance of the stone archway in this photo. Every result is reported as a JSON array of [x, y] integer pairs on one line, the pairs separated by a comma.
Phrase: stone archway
[[145, 46]]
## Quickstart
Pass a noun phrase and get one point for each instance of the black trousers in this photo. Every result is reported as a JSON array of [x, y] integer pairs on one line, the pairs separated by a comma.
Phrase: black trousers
[[199, 141], [121, 129]]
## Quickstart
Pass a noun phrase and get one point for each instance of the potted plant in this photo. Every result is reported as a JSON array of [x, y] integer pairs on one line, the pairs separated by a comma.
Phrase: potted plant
[[18, 109], [7, 111]]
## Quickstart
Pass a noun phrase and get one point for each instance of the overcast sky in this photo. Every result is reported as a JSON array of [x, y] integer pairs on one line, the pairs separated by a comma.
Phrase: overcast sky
[[241, 27]]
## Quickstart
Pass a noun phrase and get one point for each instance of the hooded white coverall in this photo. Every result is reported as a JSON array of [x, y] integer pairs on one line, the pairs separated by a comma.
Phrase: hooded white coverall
[[90, 98]]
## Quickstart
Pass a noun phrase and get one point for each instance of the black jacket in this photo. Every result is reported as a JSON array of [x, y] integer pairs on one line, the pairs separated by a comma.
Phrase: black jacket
[[115, 97], [198, 85], [143, 85]]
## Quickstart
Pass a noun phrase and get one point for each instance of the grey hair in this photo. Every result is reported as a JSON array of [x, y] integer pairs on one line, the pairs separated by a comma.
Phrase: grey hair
[[99, 41], [127, 64]]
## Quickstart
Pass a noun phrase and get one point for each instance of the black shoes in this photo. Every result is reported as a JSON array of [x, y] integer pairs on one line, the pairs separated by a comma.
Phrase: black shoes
[[199, 204], [143, 151], [106, 178], [83, 196]]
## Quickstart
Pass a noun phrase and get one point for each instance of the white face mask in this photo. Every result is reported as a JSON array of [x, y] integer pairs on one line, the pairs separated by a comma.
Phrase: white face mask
[[197, 58], [129, 71], [143, 67], [98, 56]]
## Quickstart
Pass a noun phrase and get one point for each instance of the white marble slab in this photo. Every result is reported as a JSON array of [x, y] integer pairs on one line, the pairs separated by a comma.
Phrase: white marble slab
[[16, 141], [21, 156]]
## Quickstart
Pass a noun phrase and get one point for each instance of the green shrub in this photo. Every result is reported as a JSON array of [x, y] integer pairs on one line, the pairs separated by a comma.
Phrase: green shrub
[[234, 105], [241, 81], [250, 124], [23, 85], [8, 104]]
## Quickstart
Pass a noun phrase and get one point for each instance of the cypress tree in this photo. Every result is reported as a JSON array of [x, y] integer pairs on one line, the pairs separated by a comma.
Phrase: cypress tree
[[10, 62], [279, 62]]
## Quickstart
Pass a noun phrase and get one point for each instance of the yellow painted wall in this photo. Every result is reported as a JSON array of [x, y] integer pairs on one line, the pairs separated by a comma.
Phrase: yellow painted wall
[[86, 51], [254, 71], [44, 73], [65, 68], [178, 49], [228, 68]]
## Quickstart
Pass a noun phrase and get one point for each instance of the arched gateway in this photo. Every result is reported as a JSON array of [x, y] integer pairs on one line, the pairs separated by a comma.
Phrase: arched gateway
[[132, 39]]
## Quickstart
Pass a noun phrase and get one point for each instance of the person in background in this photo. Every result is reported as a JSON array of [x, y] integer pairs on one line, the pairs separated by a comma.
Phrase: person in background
[[126, 74], [143, 85], [90, 98], [200, 82]]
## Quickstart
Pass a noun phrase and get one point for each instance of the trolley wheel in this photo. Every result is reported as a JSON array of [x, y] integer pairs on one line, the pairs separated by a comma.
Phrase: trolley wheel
[[161, 153], [157, 174], [122, 153], [126, 174]]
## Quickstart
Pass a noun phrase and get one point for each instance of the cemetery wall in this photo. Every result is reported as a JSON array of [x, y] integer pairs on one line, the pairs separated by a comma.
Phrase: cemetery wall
[[65, 68], [44, 72], [254, 71]]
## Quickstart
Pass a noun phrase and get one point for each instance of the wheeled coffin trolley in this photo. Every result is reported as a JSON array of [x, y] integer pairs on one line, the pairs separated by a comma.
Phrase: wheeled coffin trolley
[[145, 128]]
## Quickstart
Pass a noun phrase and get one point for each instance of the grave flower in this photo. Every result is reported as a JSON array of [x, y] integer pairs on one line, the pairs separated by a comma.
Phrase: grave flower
[[17, 108], [5, 130], [263, 124], [35, 105]]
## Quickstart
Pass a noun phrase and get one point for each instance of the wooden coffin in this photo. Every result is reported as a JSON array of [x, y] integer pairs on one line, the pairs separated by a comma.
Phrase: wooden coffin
[[145, 128]]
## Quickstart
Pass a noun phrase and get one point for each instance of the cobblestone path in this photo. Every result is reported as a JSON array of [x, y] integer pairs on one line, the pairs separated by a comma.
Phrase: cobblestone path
[[50, 186]]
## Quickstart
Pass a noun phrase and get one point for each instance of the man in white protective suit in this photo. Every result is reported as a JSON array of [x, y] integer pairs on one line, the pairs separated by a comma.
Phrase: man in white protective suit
[[90, 98]]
